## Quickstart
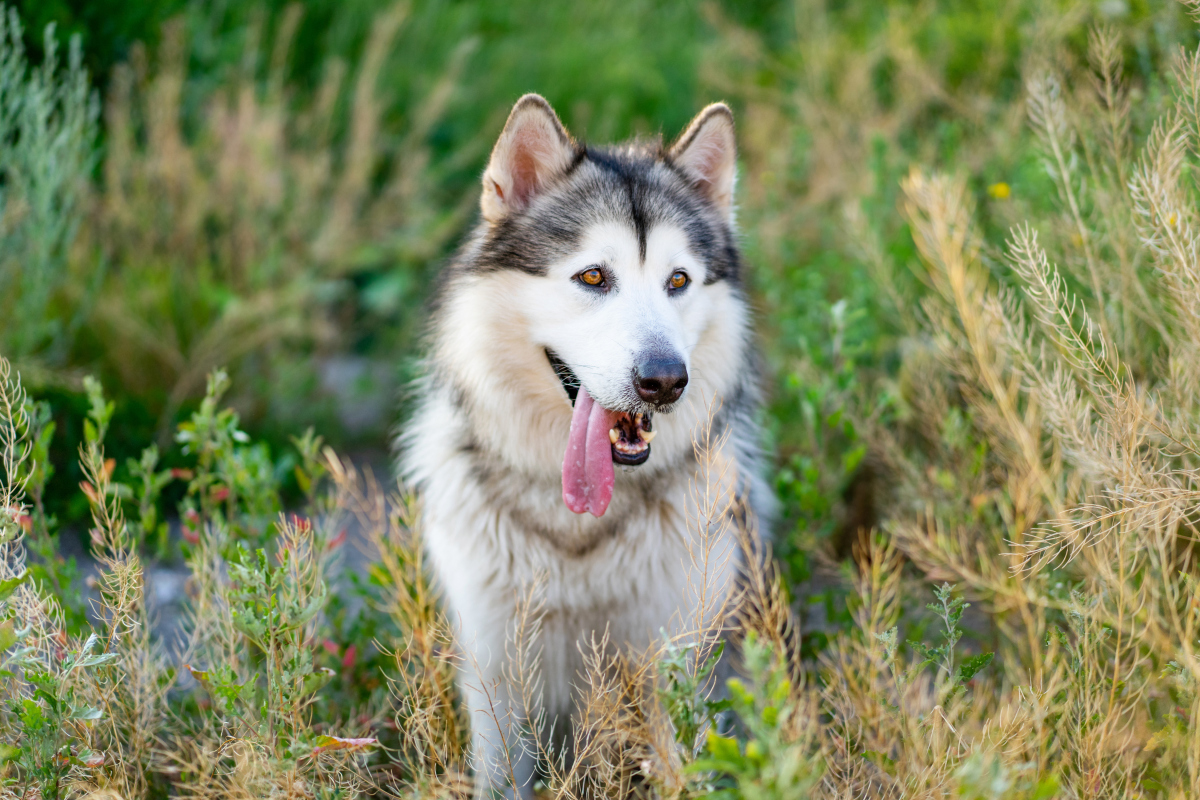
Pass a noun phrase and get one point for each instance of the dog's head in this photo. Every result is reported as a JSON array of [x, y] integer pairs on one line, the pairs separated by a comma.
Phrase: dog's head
[[621, 265]]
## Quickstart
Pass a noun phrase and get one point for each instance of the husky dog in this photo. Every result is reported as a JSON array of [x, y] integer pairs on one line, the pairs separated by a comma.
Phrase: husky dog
[[596, 317]]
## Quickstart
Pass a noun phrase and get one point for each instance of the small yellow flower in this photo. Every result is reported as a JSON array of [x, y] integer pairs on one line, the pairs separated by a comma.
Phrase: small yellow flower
[[1000, 191], [1172, 219]]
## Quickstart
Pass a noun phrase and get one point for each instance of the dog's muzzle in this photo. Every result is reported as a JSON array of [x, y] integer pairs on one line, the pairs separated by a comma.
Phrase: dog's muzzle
[[632, 433]]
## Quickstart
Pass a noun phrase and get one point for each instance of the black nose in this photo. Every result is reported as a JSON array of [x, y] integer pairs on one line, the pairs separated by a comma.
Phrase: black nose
[[660, 380]]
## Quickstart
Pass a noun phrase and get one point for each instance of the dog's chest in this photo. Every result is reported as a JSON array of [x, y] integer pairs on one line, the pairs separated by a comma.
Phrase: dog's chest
[[504, 534], [645, 527]]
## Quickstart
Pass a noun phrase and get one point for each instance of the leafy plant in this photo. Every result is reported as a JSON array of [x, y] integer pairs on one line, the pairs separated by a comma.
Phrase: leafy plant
[[687, 692], [52, 716], [45, 710], [950, 610], [92, 706], [777, 759]]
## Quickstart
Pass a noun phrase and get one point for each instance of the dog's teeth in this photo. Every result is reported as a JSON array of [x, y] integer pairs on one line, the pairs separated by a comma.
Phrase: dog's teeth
[[648, 435], [613, 435]]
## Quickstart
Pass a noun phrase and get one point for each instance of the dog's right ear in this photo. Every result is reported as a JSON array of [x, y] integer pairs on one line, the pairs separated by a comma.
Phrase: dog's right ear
[[532, 151]]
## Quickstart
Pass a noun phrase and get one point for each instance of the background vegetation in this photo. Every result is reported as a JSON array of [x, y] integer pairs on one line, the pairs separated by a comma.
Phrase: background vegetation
[[971, 230]]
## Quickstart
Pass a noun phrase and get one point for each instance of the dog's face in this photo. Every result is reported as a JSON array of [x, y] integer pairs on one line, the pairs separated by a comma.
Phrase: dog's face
[[622, 306], [619, 265]]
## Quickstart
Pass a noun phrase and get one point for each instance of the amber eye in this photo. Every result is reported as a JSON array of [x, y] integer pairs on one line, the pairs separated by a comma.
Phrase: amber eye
[[679, 279], [592, 277]]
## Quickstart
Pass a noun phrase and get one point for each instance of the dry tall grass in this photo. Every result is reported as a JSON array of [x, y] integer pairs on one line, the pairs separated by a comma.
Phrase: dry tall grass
[[106, 714], [100, 714], [1049, 461]]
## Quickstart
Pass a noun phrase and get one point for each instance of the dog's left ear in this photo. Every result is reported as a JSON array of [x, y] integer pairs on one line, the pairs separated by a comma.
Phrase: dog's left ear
[[533, 150], [707, 153]]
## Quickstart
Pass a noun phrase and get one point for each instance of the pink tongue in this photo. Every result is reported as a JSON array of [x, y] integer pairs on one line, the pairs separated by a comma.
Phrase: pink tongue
[[587, 466]]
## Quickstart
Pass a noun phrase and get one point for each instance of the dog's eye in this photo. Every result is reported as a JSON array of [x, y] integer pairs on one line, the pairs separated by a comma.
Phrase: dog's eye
[[679, 279], [592, 276]]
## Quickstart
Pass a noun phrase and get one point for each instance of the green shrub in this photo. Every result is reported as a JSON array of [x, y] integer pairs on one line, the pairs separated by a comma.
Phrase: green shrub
[[86, 697], [47, 149], [233, 238]]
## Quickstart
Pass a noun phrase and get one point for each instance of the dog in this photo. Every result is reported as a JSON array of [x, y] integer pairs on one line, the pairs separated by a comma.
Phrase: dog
[[589, 334]]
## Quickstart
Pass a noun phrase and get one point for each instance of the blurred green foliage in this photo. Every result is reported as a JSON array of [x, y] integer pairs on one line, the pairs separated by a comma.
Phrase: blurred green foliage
[[107, 28], [835, 101]]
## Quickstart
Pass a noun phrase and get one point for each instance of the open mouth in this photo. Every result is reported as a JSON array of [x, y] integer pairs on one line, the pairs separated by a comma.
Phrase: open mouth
[[630, 438], [630, 435], [600, 437]]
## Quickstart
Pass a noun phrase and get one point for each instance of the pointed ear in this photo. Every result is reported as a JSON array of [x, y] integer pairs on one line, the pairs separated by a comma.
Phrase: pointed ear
[[534, 148], [707, 153]]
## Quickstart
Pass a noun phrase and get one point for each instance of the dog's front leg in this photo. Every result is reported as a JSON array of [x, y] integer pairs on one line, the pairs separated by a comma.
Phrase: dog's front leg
[[502, 750]]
